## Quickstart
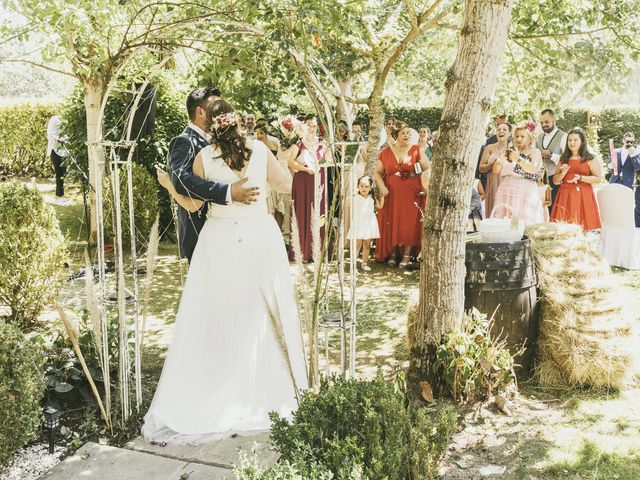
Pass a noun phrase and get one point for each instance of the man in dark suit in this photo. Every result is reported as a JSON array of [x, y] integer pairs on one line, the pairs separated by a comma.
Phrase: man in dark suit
[[628, 163], [183, 150]]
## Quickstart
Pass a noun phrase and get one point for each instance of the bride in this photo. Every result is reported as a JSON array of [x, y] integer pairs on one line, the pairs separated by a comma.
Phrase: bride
[[237, 352]]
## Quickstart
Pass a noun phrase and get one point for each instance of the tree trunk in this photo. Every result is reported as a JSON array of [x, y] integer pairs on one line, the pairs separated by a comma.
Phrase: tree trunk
[[345, 110], [93, 96], [470, 85], [376, 122]]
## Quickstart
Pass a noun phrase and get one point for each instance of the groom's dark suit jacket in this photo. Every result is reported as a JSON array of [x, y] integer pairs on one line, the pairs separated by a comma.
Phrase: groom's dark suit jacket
[[182, 152]]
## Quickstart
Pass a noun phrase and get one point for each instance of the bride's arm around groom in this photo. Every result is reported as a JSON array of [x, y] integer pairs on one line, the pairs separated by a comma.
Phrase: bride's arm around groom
[[278, 178]]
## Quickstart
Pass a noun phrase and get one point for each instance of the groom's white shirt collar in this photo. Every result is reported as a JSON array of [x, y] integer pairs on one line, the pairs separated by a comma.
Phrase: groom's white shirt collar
[[200, 132]]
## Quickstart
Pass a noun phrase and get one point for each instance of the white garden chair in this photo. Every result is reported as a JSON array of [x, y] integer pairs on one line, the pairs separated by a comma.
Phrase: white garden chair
[[619, 237]]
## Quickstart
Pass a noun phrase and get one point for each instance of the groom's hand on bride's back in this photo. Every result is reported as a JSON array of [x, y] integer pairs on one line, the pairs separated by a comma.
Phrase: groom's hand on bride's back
[[243, 194]]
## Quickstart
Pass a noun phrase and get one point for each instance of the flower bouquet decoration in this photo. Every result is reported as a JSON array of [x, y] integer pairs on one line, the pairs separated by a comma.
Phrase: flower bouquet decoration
[[290, 131]]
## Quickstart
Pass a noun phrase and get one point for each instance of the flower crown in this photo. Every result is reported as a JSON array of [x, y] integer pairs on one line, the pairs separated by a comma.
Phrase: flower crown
[[224, 121]]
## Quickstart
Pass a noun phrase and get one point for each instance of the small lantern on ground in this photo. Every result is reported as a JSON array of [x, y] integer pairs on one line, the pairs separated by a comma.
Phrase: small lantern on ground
[[51, 422]]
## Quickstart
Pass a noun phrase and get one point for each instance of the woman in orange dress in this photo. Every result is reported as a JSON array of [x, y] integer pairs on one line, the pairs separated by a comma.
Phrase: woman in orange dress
[[402, 174], [579, 170]]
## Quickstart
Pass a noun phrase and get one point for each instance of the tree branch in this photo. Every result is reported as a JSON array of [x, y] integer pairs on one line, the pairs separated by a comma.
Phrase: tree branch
[[27, 29], [558, 34], [414, 33], [35, 64]]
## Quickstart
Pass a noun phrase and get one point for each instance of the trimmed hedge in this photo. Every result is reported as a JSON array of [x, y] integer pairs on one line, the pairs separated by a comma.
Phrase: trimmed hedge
[[32, 254], [21, 390], [613, 123], [23, 130]]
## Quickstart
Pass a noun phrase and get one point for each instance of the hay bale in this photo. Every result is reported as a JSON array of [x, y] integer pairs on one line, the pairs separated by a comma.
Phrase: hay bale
[[585, 340], [549, 373], [552, 231]]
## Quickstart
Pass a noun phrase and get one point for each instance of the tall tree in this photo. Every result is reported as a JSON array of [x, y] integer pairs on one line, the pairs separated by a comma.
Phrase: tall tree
[[97, 40], [470, 86]]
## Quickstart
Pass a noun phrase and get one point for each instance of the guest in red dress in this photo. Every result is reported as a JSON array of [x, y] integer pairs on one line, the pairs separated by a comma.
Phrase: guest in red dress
[[579, 170], [402, 175], [305, 165]]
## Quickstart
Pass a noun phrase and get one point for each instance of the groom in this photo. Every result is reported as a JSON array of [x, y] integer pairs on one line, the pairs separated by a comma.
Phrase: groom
[[183, 150]]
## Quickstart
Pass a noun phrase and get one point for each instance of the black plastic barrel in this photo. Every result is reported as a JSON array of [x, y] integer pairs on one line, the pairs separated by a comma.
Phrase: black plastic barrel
[[502, 276]]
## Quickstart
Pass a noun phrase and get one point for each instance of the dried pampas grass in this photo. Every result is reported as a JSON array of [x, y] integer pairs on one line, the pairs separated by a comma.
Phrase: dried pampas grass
[[305, 295], [152, 253], [71, 326], [273, 311]]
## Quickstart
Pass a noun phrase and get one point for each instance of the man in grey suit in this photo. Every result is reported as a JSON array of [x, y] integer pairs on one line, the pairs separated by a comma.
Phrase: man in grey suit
[[551, 143]]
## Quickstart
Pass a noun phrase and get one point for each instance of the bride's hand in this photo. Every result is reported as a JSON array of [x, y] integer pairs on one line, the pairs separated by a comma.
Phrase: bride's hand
[[164, 179]]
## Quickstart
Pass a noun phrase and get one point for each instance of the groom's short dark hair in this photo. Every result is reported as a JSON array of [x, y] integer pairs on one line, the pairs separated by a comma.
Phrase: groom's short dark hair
[[198, 97]]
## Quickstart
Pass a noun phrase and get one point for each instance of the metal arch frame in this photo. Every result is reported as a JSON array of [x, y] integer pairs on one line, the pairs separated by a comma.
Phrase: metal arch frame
[[343, 325]]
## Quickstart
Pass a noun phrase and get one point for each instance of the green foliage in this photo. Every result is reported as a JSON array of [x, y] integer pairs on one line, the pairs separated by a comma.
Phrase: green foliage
[[170, 120], [249, 468], [614, 123], [23, 129], [368, 426], [473, 364], [21, 390], [562, 48], [145, 204], [32, 253], [573, 117], [414, 117], [67, 385], [252, 77]]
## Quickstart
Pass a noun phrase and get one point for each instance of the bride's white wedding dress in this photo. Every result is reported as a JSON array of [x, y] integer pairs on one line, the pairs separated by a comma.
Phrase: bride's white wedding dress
[[225, 370]]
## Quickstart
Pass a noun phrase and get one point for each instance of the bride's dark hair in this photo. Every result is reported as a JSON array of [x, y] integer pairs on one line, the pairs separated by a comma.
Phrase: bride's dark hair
[[226, 135]]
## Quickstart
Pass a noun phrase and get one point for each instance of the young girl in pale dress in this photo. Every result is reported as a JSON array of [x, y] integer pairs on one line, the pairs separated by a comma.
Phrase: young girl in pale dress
[[365, 223]]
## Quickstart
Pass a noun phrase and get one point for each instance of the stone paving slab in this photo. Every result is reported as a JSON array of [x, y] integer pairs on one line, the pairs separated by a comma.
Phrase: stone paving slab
[[223, 453], [102, 462]]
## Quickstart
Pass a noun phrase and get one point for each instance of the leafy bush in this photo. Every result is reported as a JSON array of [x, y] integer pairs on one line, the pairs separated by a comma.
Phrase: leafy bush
[[23, 129], [249, 468], [145, 204], [67, 385], [473, 364], [415, 117], [613, 124], [32, 252], [367, 428], [573, 117], [21, 390]]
